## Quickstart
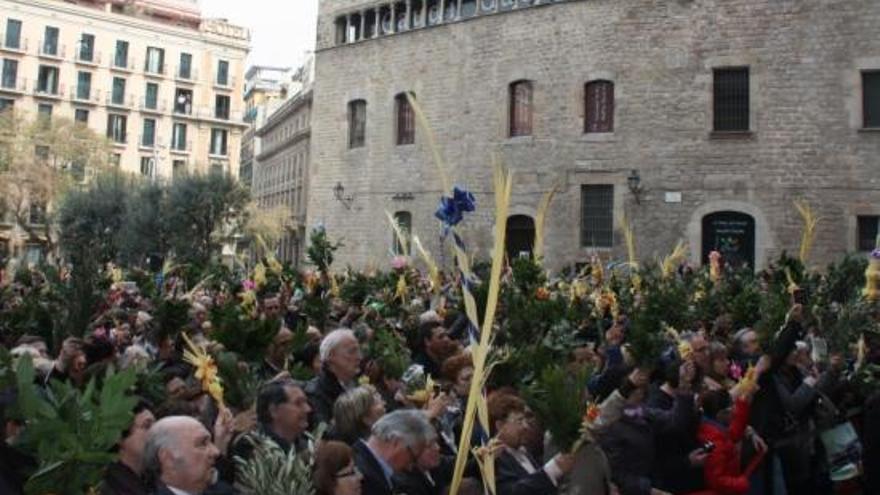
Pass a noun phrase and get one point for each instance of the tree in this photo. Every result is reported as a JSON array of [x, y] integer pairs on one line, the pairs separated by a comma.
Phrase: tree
[[203, 211], [39, 160], [143, 228]]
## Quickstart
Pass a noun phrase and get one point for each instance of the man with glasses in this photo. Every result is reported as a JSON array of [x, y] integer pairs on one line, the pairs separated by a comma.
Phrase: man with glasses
[[396, 443]]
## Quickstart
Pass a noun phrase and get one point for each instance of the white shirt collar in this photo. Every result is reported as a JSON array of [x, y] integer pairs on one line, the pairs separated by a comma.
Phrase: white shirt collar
[[176, 491]]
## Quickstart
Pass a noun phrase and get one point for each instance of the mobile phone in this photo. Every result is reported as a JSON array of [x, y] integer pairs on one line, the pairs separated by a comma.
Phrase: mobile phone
[[708, 447]]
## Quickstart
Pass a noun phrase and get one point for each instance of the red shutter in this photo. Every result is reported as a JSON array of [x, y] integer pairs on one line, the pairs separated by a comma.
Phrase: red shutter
[[599, 103]]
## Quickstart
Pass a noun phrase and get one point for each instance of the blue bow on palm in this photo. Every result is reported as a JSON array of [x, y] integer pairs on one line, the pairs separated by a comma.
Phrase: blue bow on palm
[[452, 210]]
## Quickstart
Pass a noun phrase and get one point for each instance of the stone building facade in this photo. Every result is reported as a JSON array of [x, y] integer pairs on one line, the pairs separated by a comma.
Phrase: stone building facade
[[281, 169], [696, 120], [161, 81]]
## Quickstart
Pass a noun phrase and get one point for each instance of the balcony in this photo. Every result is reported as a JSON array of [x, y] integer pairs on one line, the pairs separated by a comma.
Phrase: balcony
[[18, 86], [127, 65], [87, 96], [156, 71], [184, 78], [229, 85], [181, 148], [147, 144], [45, 91], [124, 102], [13, 46], [52, 52], [92, 59], [158, 106]]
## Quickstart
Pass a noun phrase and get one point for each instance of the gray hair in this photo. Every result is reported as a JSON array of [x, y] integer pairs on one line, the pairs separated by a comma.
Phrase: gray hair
[[351, 408], [333, 340], [162, 435], [406, 425]]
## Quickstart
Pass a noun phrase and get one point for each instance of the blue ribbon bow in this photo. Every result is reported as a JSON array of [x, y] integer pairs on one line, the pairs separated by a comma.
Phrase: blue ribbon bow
[[452, 209]]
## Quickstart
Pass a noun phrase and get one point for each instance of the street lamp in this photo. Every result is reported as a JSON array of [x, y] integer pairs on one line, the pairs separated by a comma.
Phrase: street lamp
[[634, 183]]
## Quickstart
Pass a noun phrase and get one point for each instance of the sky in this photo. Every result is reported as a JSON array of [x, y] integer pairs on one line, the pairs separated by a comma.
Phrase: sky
[[282, 31]]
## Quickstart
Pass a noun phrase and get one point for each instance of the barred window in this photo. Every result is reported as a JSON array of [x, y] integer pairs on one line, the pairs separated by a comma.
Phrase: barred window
[[871, 98], [867, 232], [357, 123], [406, 120], [597, 215], [599, 106], [731, 99], [521, 108]]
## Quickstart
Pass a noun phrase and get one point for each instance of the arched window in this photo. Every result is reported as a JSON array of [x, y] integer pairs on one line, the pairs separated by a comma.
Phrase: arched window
[[599, 106], [404, 222], [521, 108], [406, 120], [357, 123]]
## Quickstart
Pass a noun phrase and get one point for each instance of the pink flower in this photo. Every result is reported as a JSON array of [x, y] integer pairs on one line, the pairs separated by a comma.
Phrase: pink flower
[[399, 262], [248, 285]]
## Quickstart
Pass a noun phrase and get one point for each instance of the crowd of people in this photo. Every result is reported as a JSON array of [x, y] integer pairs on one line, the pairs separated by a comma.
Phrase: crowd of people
[[718, 410]]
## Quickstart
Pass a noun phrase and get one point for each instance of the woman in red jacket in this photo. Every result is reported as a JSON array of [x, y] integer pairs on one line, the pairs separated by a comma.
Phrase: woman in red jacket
[[724, 425]]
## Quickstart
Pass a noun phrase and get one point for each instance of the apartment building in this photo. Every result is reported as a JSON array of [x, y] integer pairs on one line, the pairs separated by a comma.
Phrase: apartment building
[[161, 81]]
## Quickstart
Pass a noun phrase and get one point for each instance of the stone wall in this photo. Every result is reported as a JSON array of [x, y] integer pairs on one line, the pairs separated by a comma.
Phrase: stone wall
[[804, 56]]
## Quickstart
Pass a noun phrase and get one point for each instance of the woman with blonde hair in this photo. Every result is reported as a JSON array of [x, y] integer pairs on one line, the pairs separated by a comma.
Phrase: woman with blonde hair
[[354, 413]]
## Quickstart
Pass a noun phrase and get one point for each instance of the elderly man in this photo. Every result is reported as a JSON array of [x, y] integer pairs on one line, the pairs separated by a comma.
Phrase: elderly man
[[179, 456], [283, 415], [396, 442], [340, 356]]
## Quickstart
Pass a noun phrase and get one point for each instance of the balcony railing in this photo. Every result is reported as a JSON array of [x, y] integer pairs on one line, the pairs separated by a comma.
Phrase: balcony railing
[[123, 102], [191, 77], [154, 71], [143, 142], [48, 92], [93, 58], [89, 95], [127, 65], [229, 84], [20, 47], [158, 106], [181, 147], [17, 86], [47, 51]]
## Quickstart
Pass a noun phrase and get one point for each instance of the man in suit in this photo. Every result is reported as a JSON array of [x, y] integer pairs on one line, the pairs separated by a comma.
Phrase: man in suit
[[395, 444], [179, 456]]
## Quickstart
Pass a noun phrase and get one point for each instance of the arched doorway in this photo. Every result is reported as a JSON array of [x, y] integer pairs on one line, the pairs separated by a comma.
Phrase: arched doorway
[[520, 237], [731, 233]]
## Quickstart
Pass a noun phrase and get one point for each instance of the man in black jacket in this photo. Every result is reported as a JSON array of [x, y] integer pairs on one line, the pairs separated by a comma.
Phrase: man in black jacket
[[123, 477], [340, 364], [397, 440], [282, 413]]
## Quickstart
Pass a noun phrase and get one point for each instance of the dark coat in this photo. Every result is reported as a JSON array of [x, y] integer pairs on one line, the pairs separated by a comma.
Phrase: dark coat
[[871, 442], [415, 482], [119, 479], [630, 443], [673, 471], [513, 479], [322, 392], [374, 482]]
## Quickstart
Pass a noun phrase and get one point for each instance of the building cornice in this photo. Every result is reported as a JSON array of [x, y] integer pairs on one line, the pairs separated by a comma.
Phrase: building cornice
[[285, 110], [288, 143], [126, 21]]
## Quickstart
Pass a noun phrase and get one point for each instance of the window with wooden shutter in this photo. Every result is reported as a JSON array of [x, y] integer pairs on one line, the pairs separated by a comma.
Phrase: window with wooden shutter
[[406, 120], [871, 98], [731, 99], [599, 106], [357, 123], [521, 109]]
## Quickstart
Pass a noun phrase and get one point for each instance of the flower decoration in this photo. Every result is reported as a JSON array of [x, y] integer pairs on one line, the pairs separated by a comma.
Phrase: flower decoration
[[591, 414], [452, 209], [715, 266], [260, 275], [206, 369], [274, 266], [872, 277], [542, 294], [399, 263], [248, 285]]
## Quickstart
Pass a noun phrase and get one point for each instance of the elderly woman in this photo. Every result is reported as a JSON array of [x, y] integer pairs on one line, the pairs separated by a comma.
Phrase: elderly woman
[[335, 472], [516, 473], [355, 412]]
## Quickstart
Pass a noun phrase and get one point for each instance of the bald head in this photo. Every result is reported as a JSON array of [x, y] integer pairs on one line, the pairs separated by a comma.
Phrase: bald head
[[179, 453]]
